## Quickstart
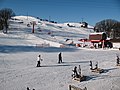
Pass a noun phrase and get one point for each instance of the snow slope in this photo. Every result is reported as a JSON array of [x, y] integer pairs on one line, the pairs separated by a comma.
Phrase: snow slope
[[51, 31], [18, 58]]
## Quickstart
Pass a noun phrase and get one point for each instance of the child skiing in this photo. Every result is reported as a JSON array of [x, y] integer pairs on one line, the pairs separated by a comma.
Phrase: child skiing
[[39, 59]]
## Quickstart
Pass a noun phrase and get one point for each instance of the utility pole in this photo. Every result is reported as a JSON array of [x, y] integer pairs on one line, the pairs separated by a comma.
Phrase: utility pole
[[33, 23]]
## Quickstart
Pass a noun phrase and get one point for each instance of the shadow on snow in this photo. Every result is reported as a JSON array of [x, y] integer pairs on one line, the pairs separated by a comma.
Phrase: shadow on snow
[[14, 49]]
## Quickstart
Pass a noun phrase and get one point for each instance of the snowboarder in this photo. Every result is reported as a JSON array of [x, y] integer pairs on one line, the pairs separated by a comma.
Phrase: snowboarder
[[38, 60], [75, 74], [118, 60], [60, 58], [91, 65]]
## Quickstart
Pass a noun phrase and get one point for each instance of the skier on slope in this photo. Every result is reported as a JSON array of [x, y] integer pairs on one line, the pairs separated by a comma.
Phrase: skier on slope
[[39, 59], [60, 58], [118, 60]]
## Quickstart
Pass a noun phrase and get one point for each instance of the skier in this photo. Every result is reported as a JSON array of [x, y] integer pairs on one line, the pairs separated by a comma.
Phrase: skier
[[60, 58], [91, 65], [118, 59], [38, 60]]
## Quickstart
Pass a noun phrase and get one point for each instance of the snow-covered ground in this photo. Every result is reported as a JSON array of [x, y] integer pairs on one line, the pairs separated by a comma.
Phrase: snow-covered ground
[[18, 58]]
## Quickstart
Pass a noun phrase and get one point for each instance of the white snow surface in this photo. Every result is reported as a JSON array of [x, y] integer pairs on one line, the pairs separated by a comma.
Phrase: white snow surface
[[18, 59]]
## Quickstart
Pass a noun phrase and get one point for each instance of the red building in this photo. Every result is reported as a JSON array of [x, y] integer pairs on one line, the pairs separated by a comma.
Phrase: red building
[[100, 39]]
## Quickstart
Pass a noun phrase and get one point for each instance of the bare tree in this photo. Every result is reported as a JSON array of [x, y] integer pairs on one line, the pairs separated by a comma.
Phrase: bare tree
[[1, 24], [111, 27], [5, 15]]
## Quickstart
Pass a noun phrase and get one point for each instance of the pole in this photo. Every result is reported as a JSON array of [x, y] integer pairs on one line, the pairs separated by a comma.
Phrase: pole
[[33, 28]]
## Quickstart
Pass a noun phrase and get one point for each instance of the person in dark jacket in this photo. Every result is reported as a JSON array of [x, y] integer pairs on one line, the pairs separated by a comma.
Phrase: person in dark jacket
[[96, 65], [60, 58], [28, 88], [91, 67], [75, 73], [118, 60], [79, 70]]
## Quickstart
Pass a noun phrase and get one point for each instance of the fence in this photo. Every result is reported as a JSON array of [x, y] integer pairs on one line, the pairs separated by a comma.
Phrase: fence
[[43, 45], [71, 87]]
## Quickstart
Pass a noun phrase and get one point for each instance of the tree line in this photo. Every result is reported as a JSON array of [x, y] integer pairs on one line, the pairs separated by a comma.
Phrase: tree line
[[110, 26], [5, 15]]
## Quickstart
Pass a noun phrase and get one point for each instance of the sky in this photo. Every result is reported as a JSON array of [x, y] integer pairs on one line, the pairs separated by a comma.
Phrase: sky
[[61, 11]]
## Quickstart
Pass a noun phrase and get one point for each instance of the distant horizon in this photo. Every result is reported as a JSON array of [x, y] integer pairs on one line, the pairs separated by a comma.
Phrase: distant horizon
[[90, 11]]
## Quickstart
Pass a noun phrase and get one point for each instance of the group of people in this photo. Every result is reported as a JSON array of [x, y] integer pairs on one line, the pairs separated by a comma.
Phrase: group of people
[[39, 59]]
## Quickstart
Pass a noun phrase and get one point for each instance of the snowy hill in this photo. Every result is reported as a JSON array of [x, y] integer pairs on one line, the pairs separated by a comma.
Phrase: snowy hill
[[20, 47], [47, 31]]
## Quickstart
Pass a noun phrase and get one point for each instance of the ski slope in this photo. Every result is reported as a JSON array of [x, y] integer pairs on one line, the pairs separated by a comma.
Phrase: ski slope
[[18, 58]]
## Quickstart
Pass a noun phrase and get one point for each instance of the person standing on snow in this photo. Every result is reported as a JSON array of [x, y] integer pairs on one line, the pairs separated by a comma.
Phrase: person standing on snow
[[91, 67], [79, 70], [39, 59], [118, 60], [28, 88], [60, 58], [96, 65], [75, 74]]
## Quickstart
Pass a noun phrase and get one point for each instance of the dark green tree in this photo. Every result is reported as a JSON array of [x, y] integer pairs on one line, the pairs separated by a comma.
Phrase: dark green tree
[[5, 15]]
